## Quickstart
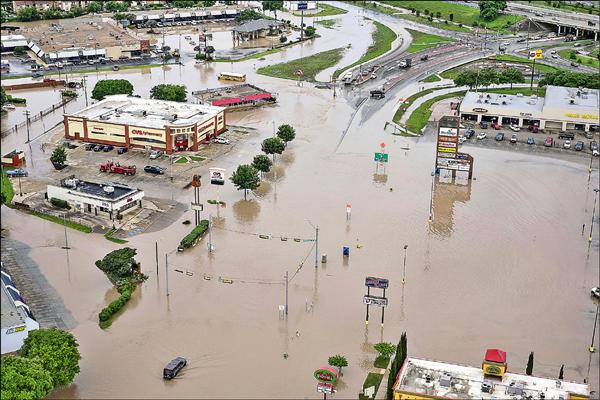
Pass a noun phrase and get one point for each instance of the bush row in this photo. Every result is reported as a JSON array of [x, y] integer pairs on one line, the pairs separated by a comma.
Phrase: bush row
[[125, 289], [197, 232], [59, 203]]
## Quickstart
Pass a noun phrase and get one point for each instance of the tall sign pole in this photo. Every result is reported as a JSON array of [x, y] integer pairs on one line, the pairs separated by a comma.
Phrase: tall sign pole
[[381, 301], [286, 292]]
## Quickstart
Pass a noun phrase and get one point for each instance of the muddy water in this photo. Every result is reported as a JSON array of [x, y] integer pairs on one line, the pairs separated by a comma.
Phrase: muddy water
[[503, 263]]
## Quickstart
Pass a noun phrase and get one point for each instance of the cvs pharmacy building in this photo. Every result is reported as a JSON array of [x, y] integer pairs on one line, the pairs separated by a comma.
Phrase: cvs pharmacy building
[[127, 121]]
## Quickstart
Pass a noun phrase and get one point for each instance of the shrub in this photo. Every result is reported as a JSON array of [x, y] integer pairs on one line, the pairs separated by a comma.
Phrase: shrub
[[197, 232], [59, 203], [283, 39]]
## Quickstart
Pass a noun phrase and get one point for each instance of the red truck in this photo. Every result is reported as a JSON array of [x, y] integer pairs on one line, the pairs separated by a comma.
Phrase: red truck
[[116, 168]]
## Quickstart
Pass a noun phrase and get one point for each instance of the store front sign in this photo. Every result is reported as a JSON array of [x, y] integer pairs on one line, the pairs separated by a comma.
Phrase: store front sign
[[325, 374], [480, 110]]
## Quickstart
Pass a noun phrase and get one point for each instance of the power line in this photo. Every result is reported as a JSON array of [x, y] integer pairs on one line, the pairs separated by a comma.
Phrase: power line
[[266, 236], [302, 263]]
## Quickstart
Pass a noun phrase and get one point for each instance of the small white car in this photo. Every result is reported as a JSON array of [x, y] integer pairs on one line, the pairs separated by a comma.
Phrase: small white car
[[514, 128], [481, 136], [461, 139], [554, 55], [221, 140], [596, 292], [373, 76], [513, 138], [567, 144], [506, 43], [154, 154]]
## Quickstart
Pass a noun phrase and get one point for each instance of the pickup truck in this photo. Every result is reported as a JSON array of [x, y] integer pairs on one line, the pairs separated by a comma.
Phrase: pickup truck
[[116, 168], [406, 63], [377, 94]]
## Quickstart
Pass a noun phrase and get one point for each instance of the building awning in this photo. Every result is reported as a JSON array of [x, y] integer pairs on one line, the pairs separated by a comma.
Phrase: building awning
[[225, 102], [185, 15], [139, 18], [258, 96], [215, 13], [153, 16], [168, 16], [495, 355], [231, 12]]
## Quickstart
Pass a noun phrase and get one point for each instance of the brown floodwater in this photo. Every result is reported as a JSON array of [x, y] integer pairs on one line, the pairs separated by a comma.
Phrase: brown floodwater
[[503, 263]]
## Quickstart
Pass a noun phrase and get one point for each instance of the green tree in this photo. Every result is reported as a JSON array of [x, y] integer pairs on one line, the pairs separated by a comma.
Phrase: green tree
[[28, 13], [59, 155], [183, 3], [401, 354], [272, 5], [338, 361], [488, 76], [438, 15], [116, 6], [77, 12], [385, 349], [572, 55], [561, 373], [310, 31], [283, 39], [3, 97], [94, 6], [286, 132], [529, 369], [24, 379], [57, 352], [490, 9], [200, 56], [169, 92], [209, 51], [451, 17], [466, 78], [511, 75], [247, 15], [118, 263], [208, 3], [245, 178], [273, 146], [53, 13], [262, 163], [107, 87]]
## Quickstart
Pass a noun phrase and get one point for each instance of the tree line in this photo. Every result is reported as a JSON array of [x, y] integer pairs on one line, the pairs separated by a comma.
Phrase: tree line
[[488, 76]]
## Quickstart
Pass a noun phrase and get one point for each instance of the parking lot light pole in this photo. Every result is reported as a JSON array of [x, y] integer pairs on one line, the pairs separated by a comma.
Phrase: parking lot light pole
[[404, 271], [593, 214]]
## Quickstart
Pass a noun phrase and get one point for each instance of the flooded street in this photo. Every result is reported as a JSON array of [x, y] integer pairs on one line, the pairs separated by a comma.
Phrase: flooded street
[[503, 263]]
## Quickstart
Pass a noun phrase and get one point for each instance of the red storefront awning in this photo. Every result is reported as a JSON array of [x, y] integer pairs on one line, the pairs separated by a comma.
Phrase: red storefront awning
[[495, 355]]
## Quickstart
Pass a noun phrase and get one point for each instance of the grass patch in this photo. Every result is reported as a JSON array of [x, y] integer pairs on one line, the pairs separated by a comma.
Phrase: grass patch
[[252, 56], [439, 25], [539, 67], [108, 236], [197, 158], [419, 117], [7, 189], [60, 221], [382, 43], [432, 78], [403, 107], [325, 11], [310, 66], [580, 59], [462, 14], [182, 160], [381, 362], [422, 41], [327, 23], [372, 379]]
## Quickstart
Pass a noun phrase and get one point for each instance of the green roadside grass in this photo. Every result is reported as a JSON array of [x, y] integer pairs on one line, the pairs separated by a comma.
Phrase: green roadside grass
[[539, 67], [7, 189], [108, 236], [381, 362], [373, 379], [403, 107], [325, 11], [252, 56], [461, 14], [422, 41], [382, 43], [432, 78], [327, 23], [580, 59], [60, 221], [310, 66], [439, 25]]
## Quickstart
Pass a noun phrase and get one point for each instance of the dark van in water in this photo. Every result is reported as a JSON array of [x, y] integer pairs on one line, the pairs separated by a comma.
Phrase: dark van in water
[[173, 367]]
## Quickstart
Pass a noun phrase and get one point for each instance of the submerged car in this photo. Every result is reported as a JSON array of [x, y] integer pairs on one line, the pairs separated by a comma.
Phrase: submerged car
[[173, 367], [579, 146], [549, 142], [500, 137], [16, 173], [596, 292], [154, 154], [154, 169]]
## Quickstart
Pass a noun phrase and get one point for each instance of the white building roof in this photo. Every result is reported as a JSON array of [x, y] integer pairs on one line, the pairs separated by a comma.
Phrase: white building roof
[[135, 111], [425, 377], [11, 315], [572, 99], [13, 40]]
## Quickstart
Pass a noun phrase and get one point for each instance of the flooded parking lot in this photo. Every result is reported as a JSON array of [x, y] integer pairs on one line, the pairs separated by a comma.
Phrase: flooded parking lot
[[503, 263]]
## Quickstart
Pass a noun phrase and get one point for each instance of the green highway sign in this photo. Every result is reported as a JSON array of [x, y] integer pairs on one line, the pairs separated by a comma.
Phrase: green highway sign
[[381, 157]]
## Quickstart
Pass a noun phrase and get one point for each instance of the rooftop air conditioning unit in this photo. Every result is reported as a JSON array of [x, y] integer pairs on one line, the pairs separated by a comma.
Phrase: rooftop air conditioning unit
[[515, 389], [487, 386], [109, 189], [446, 380]]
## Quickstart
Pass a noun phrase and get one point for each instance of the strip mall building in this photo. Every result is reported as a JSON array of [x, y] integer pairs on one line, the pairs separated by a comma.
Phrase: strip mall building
[[132, 122]]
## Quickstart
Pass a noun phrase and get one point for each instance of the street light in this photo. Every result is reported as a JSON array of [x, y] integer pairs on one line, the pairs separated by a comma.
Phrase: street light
[[593, 214], [404, 272]]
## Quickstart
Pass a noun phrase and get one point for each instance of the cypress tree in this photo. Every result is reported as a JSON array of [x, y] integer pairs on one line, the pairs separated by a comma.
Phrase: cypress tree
[[529, 369], [561, 373]]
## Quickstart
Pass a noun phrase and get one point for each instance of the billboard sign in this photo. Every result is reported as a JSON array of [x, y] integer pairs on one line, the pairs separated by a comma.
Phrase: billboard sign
[[325, 374], [448, 131], [379, 283], [446, 155], [445, 149], [217, 176], [447, 144], [381, 157], [302, 5], [375, 300], [323, 387], [535, 54]]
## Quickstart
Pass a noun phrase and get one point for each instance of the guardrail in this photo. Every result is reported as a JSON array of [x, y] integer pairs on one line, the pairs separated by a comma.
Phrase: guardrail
[[36, 117]]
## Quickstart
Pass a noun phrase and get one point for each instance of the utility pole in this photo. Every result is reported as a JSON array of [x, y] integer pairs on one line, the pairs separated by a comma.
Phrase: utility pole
[[210, 246], [593, 214], [302, 24], [167, 271], [592, 348], [286, 292], [528, 26], [404, 270], [27, 112], [156, 254], [66, 246], [316, 242], [532, 71], [85, 90]]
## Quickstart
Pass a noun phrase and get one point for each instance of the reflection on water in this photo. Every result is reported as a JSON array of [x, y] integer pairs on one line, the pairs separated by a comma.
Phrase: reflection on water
[[445, 195], [246, 210]]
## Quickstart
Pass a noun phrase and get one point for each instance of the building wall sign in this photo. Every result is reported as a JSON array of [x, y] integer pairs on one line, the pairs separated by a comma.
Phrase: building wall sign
[[447, 144], [375, 300], [16, 329], [525, 114], [448, 132], [379, 283], [325, 374], [582, 116], [141, 132], [480, 110]]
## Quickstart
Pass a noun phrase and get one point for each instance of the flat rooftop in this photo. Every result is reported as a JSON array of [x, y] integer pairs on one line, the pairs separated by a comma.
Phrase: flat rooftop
[[572, 98], [11, 315], [452, 381], [115, 192], [82, 32], [135, 111], [511, 103], [231, 94]]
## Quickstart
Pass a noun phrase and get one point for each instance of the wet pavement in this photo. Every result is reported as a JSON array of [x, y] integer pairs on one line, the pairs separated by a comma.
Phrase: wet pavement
[[503, 263]]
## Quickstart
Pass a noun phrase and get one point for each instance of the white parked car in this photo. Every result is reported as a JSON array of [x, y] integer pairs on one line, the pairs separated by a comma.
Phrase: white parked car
[[596, 292], [481, 136], [373, 76], [221, 140], [567, 144], [514, 128], [154, 154]]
